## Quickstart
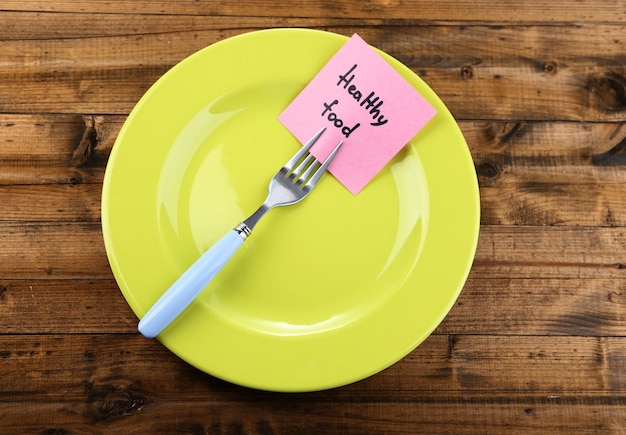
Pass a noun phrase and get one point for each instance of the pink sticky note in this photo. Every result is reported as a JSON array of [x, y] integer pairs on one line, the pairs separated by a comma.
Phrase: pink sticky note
[[363, 101]]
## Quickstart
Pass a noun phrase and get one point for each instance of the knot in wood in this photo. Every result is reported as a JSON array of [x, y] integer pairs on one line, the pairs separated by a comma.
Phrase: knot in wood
[[87, 142], [550, 68], [488, 169], [110, 403], [608, 91], [467, 72]]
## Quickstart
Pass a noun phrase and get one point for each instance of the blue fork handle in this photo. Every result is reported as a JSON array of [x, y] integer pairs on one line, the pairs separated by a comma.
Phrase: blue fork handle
[[189, 285]]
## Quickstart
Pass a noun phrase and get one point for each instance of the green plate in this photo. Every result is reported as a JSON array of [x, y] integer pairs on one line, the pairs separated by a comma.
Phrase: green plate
[[325, 292]]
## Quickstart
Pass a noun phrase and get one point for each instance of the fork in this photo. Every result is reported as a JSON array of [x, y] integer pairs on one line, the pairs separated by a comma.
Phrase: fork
[[291, 184]]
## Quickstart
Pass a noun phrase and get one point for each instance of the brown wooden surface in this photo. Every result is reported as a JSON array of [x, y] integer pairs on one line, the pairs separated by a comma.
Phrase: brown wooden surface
[[537, 340]]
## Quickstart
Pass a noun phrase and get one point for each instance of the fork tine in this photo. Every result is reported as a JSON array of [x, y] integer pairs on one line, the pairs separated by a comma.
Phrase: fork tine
[[307, 163], [311, 168], [318, 174], [296, 158]]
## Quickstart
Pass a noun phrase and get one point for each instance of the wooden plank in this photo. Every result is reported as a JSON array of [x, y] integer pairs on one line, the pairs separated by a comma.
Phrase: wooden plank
[[52, 202], [38, 306], [530, 173], [46, 26], [480, 72], [526, 306], [550, 252], [509, 153], [75, 250], [443, 366], [445, 10], [549, 173], [92, 74], [588, 307], [128, 414], [74, 382], [52, 250], [45, 149], [556, 203], [518, 72]]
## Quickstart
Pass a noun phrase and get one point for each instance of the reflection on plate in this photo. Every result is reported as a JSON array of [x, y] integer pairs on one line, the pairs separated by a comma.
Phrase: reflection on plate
[[325, 292]]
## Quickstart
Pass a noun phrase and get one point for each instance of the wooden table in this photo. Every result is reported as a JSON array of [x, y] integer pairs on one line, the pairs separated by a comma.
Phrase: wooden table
[[537, 340]]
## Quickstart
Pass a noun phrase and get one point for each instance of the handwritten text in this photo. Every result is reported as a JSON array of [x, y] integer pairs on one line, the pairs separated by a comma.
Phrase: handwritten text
[[372, 102]]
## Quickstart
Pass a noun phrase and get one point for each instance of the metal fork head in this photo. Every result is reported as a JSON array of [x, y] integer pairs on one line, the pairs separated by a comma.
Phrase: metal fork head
[[303, 169], [299, 175], [294, 180]]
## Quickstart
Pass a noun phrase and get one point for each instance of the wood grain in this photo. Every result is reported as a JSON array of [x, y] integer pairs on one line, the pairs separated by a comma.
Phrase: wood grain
[[530, 173], [504, 306], [512, 72], [61, 306], [464, 10], [76, 250], [550, 252], [539, 280], [55, 149], [110, 382], [55, 202], [535, 342], [53, 250], [542, 306]]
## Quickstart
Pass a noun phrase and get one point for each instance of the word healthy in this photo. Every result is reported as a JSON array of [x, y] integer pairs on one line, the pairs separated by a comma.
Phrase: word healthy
[[371, 103]]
